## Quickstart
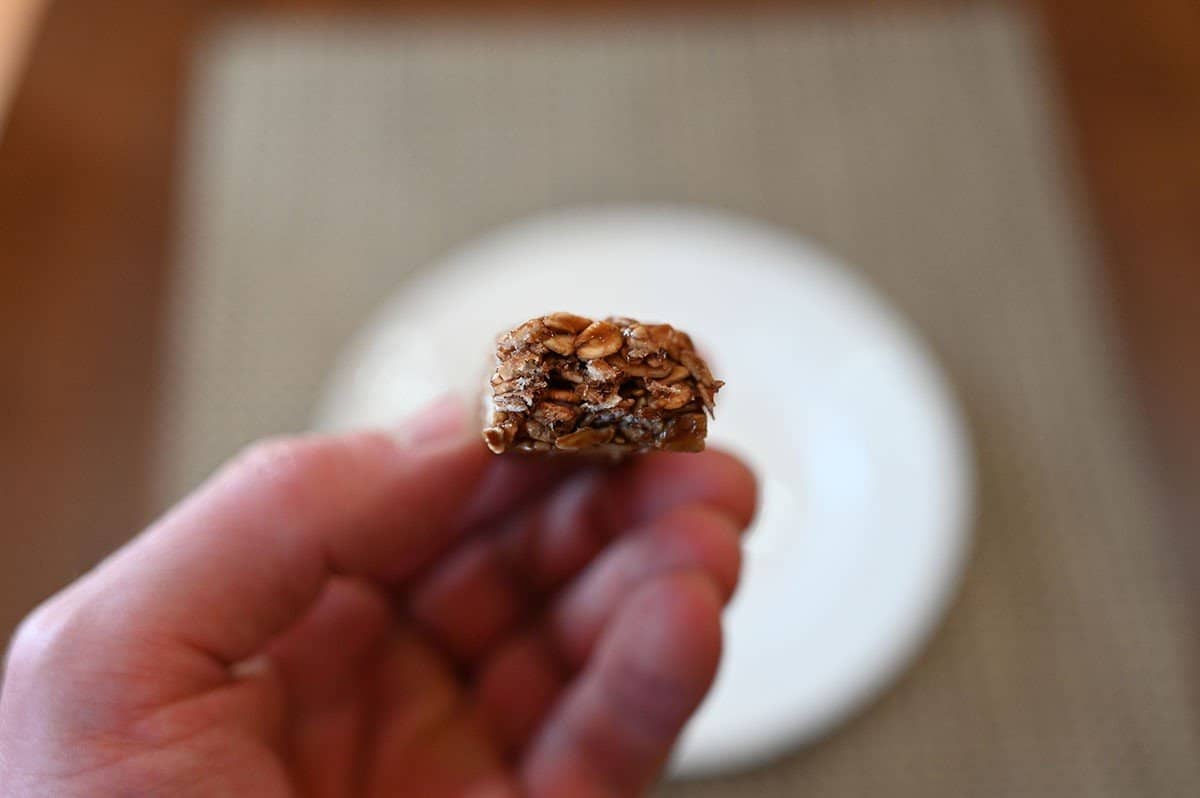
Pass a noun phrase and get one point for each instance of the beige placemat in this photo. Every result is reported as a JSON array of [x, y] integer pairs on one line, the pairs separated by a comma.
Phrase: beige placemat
[[328, 162]]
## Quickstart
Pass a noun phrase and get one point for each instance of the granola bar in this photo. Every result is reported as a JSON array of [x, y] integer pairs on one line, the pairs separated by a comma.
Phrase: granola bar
[[567, 383]]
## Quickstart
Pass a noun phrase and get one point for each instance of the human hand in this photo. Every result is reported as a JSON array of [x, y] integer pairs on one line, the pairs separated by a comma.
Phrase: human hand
[[18, 20], [379, 614]]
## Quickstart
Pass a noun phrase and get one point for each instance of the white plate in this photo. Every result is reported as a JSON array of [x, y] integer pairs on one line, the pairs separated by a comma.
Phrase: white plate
[[863, 458]]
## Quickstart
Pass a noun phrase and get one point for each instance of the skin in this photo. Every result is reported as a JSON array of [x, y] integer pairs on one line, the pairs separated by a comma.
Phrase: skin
[[386, 614]]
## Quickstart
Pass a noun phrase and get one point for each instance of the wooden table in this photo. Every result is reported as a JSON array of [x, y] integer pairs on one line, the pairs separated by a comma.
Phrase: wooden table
[[87, 185]]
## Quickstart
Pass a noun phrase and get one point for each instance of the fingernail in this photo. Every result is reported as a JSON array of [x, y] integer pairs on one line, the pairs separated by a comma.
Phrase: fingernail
[[440, 421]]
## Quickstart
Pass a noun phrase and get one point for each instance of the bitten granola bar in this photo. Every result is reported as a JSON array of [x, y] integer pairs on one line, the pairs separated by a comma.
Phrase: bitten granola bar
[[564, 382]]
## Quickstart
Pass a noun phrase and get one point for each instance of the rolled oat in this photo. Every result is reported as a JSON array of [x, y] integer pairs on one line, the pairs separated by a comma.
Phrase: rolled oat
[[568, 383]]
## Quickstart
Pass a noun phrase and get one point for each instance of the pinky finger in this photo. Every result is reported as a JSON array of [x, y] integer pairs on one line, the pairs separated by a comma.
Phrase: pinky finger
[[615, 727]]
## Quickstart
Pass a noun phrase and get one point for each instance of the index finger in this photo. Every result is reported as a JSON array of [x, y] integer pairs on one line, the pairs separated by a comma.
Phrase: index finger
[[248, 552]]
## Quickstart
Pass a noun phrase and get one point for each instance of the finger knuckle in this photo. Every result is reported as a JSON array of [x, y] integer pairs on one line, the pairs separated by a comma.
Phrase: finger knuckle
[[313, 462], [285, 462], [54, 632], [272, 454]]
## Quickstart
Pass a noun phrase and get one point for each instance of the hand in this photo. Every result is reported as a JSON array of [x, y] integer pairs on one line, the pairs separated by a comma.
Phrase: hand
[[18, 20], [386, 614]]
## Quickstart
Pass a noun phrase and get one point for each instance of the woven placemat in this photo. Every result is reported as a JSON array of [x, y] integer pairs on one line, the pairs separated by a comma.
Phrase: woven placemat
[[327, 162]]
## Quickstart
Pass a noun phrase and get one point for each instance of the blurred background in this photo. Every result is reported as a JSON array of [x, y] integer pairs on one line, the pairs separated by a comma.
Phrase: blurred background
[[201, 200]]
